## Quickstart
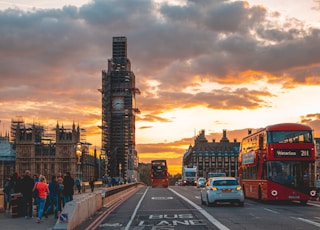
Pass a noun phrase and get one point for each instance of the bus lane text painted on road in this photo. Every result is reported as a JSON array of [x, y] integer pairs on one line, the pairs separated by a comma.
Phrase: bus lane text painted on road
[[170, 220]]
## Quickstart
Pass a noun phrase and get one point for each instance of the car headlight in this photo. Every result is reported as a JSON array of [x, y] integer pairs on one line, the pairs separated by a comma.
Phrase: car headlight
[[238, 188], [214, 189]]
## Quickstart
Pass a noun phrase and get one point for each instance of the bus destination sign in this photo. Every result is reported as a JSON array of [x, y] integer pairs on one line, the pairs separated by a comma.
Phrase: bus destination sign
[[292, 153]]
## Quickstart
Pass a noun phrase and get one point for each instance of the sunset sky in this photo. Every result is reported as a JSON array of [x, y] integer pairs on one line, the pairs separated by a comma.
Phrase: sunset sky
[[199, 64]]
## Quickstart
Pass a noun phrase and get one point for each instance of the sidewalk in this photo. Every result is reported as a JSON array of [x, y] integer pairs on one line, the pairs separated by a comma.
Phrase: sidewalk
[[20, 223]]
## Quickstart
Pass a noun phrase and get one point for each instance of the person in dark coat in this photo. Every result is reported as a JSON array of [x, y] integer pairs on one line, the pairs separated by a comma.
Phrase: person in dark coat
[[91, 183], [27, 184], [8, 190], [68, 183]]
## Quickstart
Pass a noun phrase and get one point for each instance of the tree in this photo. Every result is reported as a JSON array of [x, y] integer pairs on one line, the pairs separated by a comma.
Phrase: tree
[[144, 172], [174, 178]]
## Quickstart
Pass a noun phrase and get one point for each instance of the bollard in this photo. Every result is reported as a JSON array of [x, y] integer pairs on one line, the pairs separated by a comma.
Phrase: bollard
[[103, 194], [83, 187]]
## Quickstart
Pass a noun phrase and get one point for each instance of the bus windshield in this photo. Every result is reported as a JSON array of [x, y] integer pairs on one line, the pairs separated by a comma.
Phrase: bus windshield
[[290, 136], [295, 174], [159, 170]]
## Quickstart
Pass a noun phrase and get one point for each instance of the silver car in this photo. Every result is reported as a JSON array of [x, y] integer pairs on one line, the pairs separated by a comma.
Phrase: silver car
[[222, 189]]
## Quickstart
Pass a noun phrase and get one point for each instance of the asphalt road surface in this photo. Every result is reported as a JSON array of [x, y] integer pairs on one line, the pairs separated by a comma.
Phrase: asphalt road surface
[[179, 207]]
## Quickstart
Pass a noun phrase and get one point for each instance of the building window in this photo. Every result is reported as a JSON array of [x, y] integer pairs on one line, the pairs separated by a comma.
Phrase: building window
[[38, 168], [213, 159], [200, 159], [52, 169], [194, 159], [226, 159]]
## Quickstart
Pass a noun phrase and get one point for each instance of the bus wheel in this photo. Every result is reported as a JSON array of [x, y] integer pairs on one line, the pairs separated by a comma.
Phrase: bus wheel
[[259, 194], [303, 202]]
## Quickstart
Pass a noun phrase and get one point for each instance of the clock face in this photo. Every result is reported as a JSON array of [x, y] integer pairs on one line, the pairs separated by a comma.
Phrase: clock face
[[117, 103]]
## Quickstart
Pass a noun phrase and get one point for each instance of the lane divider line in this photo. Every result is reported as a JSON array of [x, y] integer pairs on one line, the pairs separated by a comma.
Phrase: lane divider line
[[136, 209], [213, 220], [308, 221]]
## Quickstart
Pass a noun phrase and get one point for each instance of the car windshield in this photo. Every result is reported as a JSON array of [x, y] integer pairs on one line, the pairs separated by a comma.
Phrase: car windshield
[[224, 182]]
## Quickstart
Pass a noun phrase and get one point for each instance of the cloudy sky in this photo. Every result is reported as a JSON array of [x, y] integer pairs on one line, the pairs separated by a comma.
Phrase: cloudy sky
[[200, 64]]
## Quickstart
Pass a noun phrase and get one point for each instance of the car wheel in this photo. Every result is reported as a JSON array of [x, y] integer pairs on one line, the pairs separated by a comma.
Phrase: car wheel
[[202, 201], [209, 204]]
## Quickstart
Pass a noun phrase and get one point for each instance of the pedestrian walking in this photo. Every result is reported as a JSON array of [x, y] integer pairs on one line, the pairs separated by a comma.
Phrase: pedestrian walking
[[60, 194], [27, 185], [91, 183], [8, 190], [68, 191], [78, 184], [17, 182], [43, 189], [35, 180], [53, 197]]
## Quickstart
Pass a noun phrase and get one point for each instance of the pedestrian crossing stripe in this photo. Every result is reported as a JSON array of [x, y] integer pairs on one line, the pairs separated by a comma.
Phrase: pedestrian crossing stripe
[[63, 218]]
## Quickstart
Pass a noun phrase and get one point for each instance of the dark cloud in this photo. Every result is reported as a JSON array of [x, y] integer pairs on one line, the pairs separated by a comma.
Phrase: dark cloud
[[51, 60]]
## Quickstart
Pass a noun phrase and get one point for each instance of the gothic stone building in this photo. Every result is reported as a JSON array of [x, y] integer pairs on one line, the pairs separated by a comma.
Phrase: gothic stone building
[[213, 156], [7, 158], [47, 155]]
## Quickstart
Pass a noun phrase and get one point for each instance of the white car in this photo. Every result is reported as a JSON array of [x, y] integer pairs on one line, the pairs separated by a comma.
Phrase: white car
[[222, 189]]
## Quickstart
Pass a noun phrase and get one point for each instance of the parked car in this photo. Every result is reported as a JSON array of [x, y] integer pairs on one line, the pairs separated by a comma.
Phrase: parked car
[[222, 189], [201, 182]]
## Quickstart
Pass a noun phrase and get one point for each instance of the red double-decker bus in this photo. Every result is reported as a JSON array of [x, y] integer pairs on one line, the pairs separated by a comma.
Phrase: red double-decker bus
[[278, 163], [159, 173]]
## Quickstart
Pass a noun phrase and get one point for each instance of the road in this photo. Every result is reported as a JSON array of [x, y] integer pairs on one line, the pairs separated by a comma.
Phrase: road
[[179, 207]]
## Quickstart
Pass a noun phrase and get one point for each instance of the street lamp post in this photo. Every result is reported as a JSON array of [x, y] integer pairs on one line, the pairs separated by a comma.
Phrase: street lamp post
[[78, 153], [129, 166], [102, 161]]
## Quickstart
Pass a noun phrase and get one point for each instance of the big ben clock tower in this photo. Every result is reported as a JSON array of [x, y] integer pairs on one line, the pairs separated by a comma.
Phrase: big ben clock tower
[[118, 112]]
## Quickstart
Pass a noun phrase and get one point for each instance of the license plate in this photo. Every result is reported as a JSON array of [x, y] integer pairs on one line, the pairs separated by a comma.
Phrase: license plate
[[227, 190]]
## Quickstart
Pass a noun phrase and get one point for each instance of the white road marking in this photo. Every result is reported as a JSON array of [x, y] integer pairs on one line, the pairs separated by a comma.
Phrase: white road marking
[[162, 198], [270, 210], [308, 221], [203, 212], [110, 225], [136, 209], [317, 205]]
